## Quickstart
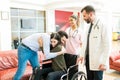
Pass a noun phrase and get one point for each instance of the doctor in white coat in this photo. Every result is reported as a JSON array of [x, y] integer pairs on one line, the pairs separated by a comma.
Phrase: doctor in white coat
[[96, 46]]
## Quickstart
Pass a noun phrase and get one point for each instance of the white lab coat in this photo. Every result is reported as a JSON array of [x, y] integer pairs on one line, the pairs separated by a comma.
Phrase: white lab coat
[[99, 45]]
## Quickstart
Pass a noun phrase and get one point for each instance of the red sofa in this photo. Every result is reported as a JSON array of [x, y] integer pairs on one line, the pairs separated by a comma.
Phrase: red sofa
[[9, 62], [115, 60]]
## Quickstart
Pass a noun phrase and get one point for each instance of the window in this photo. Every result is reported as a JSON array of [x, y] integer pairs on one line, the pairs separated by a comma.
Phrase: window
[[25, 22]]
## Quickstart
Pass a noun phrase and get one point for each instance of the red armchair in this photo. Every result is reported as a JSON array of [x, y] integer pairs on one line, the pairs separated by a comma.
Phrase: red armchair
[[115, 60]]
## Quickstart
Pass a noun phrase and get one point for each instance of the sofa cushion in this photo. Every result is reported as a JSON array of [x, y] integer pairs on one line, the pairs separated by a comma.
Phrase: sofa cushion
[[9, 62], [8, 59], [115, 55], [116, 63], [8, 74], [114, 68]]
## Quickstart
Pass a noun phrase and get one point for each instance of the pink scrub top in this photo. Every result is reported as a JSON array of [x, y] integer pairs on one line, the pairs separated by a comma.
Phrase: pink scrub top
[[74, 41]]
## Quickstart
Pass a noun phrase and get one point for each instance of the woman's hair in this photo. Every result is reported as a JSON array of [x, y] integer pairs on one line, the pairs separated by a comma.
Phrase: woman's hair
[[57, 37], [76, 18], [62, 34]]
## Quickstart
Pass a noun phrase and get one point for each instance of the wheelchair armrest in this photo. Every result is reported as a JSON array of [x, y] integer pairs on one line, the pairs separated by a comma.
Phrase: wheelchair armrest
[[67, 72], [71, 67], [62, 77], [46, 61]]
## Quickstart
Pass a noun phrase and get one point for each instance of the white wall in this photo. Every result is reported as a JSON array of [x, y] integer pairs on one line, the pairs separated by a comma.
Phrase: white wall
[[5, 28], [25, 5], [50, 21]]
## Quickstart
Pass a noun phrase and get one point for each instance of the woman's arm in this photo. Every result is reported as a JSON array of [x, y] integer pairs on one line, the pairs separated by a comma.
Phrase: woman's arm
[[62, 51]]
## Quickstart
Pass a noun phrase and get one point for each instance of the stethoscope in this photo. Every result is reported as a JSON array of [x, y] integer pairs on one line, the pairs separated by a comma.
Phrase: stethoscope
[[73, 34], [96, 25]]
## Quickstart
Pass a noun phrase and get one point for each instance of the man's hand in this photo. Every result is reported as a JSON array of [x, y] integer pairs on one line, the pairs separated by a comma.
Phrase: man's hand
[[40, 41], [102, 67], [62, 51]]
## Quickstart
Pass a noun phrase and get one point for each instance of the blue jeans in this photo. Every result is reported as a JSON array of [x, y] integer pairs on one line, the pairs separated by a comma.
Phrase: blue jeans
[[24, 55], [56, 75], [42, 73]]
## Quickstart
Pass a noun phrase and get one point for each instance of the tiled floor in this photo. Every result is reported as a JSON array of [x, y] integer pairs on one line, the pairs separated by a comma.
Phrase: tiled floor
[[112, 75], [108, 75]]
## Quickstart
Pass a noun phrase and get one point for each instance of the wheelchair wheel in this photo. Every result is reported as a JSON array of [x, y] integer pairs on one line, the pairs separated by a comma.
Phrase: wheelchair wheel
[[79, 76]]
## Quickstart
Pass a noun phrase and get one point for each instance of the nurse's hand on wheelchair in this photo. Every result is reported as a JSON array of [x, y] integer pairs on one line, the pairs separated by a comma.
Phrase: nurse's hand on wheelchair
[[80, 60]]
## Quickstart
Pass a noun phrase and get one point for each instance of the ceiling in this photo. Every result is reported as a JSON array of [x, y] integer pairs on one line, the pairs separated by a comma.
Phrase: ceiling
[[73, 4], [40, 2]]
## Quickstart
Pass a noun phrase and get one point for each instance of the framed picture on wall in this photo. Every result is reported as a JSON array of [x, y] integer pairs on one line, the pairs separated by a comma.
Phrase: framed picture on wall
[[61, 19]]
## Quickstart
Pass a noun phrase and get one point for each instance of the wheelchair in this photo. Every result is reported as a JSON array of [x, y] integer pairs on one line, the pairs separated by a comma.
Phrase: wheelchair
[[79, 76], [73, 74]]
